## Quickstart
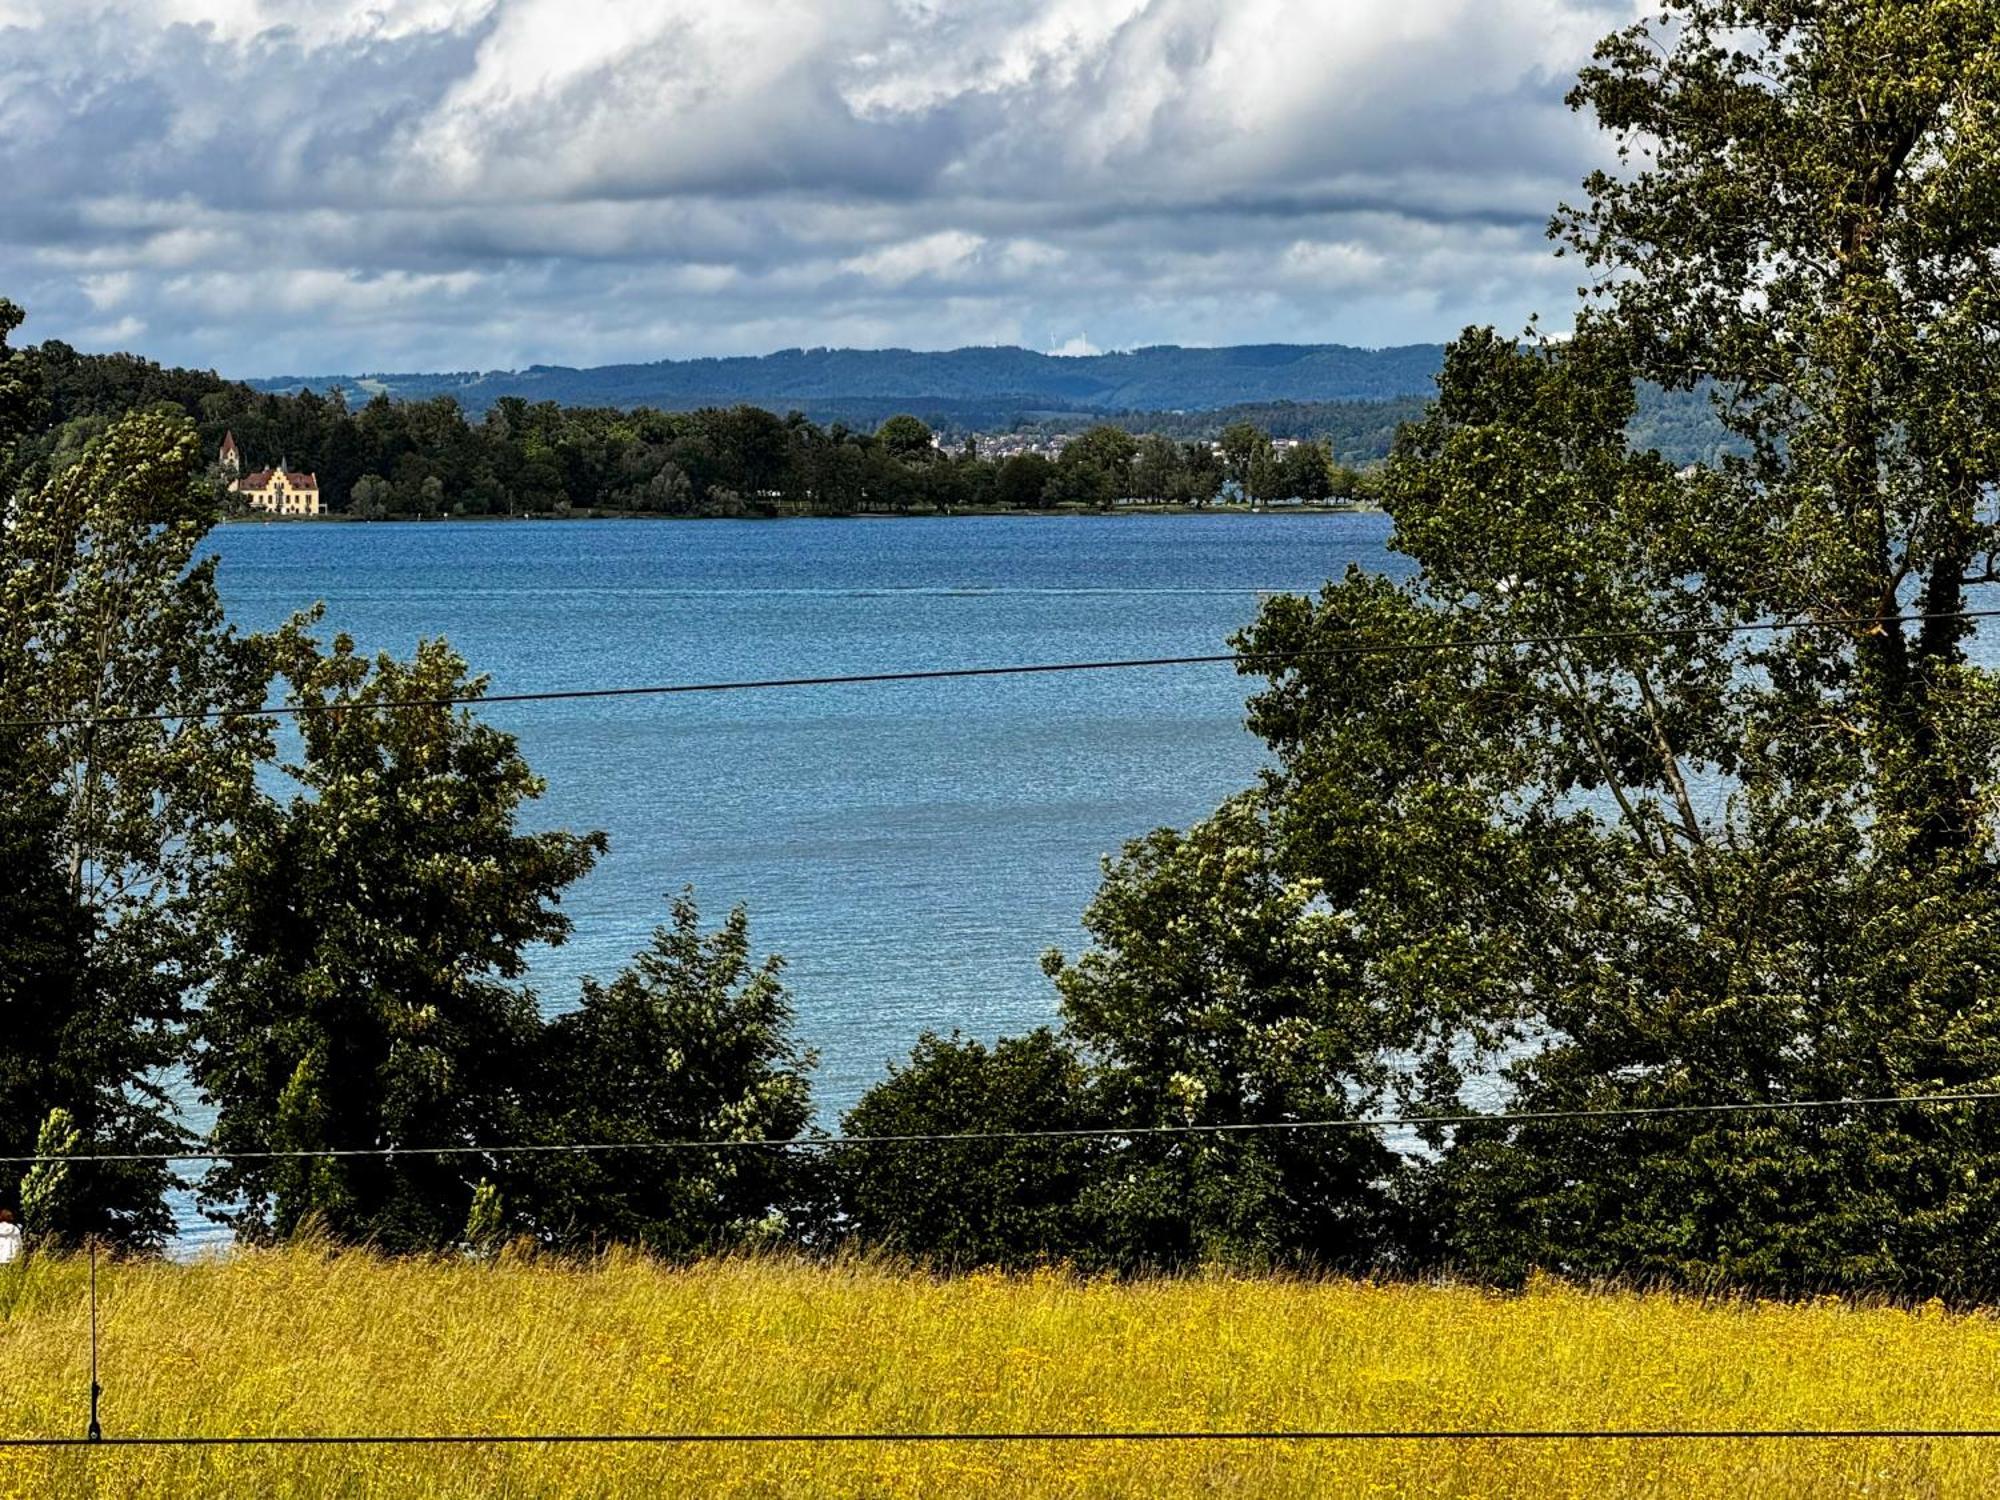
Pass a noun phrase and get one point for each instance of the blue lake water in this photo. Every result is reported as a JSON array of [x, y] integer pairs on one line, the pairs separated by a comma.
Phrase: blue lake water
[[911, 848]]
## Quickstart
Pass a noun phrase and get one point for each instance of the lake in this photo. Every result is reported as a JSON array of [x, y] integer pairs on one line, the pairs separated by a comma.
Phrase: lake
[[910, 848]]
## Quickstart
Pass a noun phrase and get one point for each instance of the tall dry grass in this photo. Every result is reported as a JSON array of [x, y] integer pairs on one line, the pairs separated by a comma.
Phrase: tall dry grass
[[301, 1341]]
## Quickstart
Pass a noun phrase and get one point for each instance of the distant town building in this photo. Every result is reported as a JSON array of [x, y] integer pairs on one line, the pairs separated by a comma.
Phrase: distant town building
[[282, 491]]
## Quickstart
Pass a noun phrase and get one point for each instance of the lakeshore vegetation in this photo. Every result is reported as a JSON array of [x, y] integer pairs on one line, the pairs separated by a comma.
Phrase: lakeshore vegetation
[[388, 460], [1638, 859], [302, 1340], [1581, 827]]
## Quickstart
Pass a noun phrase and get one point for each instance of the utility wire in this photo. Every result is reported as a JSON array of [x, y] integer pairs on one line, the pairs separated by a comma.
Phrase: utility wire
[[1094, 1132], [660, 690], [829, 1439], [95, 1438]]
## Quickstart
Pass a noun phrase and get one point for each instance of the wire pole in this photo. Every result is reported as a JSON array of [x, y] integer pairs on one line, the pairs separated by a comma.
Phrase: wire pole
[[95, 1432]]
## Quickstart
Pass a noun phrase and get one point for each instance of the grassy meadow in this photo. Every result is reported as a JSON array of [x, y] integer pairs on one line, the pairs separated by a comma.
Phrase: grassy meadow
[[303, 1341]]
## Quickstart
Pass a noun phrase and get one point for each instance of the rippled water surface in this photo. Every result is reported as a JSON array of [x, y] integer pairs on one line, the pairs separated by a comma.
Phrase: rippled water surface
[[910, 848]]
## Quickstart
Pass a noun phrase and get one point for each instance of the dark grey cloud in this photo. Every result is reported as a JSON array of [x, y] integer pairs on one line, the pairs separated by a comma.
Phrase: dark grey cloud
[[289, 186]]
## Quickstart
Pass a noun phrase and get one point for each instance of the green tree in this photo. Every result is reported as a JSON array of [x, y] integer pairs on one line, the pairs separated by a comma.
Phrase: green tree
[[46, 992], [377, 924], [21, 404], [120, 793], [964, 1204], [1219, 992], [1156, 472], [1304, 472], [1743, 867], [691, 1043], [1246, 454], [1346, 483], [1813, 234], [372, 497], [907, 438], [1023, 482], [1803, 880], [1641, 857], [1095, 466], [56, 1191], [1198, 477]]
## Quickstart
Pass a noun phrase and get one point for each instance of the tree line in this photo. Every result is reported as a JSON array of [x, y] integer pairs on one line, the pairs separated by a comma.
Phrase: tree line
[[427, 459], [1588, 838]]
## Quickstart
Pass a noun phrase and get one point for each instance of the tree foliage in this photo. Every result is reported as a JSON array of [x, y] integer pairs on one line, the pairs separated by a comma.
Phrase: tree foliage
[[21, 409], [427, 457], [1666, 864], [1634, 854], [116, 829], [1211, 998], [378, 923], [691, 1043], [979, 1202]]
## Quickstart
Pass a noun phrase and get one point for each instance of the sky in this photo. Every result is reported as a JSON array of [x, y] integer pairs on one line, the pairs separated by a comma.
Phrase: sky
[[270, 187]]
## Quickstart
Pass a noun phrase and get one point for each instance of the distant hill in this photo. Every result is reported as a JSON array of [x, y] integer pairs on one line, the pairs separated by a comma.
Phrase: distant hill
[[962, 387], [1128, 390]]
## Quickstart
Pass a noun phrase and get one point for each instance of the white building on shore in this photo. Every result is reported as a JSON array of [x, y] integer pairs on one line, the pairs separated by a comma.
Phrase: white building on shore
[[282, 491]]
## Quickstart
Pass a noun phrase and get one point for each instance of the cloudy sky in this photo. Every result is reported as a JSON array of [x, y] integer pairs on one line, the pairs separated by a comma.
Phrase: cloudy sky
[[307, 186]]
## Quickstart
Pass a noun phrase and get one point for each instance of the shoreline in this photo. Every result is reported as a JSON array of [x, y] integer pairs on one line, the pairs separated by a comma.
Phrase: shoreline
[[1181, 511]]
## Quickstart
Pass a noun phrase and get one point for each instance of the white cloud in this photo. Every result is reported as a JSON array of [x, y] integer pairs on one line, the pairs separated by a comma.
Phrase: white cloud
[[121, 332], [107, 290], [1335, 265], [327, 184], [1076, 346], [943, 254], [241, 20], [985, 49]]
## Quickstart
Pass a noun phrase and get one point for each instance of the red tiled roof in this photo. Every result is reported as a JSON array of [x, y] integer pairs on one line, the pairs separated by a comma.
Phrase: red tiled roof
[[261, 480]]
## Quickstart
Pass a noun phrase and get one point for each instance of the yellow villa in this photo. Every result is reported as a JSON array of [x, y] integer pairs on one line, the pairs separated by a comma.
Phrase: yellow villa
[[281, 491]]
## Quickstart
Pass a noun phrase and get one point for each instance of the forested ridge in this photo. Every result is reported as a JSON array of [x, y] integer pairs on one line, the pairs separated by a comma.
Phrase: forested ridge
[[987, 380], [425, 458], [428, 457]]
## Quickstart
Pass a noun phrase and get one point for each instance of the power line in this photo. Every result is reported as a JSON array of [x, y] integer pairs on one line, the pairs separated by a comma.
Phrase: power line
[[95, 1438], [938, 674], [1091, 1132], [829, 1439]]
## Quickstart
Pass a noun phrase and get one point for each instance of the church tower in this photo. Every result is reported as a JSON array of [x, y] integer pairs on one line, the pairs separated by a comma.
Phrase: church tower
[[229, 460]]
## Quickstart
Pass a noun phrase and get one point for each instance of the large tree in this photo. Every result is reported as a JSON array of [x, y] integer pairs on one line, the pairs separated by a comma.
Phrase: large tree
[[20, 396], [1808, 214], [119, 790], [1652, 852], [378, 922], [693, 1042], [45, 974], [970, 1203], [1215, 996]]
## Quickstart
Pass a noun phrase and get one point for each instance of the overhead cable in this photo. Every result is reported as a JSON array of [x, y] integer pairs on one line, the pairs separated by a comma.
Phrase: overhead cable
[[1141, 1435], [1025, 669], [1499, 1118]]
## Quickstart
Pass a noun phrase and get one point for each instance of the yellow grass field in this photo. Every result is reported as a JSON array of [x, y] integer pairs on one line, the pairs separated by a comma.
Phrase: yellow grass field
[[301, 1341]]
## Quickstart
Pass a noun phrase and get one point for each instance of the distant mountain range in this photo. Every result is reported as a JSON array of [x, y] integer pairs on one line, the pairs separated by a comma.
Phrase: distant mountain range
[[1353, 397], [963, 387]]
